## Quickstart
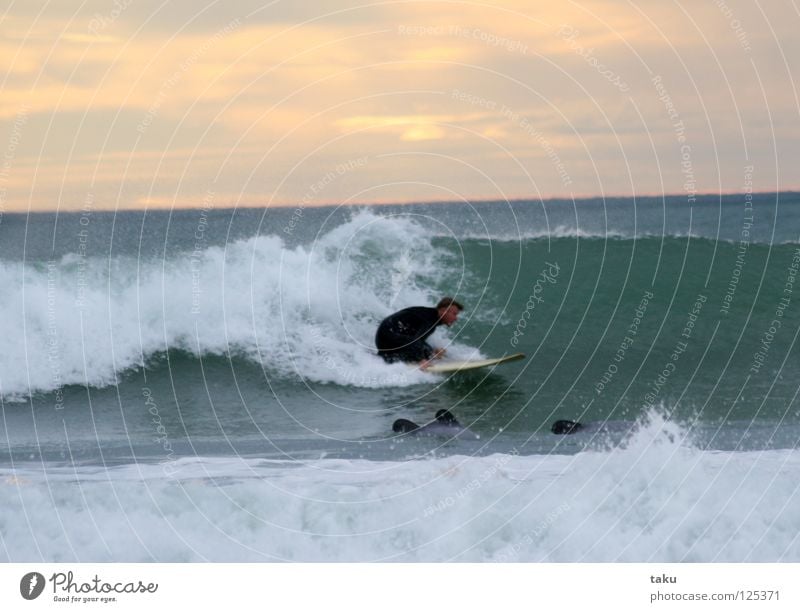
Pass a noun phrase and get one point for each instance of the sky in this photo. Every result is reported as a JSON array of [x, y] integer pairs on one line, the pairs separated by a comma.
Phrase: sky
[[131, 104]]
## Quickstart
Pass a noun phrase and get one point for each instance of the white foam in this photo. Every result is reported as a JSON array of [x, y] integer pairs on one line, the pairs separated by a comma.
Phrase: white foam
[[309, 312], [543, 233], [570, 231], [654, 499]]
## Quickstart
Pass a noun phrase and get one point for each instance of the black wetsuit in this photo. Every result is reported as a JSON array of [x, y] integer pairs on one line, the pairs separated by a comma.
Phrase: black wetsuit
[[401, 336]]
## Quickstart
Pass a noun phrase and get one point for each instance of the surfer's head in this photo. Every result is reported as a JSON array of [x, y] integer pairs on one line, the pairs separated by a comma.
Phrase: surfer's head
[[449, 310]]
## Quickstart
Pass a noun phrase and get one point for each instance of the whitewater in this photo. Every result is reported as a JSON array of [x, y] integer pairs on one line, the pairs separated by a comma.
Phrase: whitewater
[[656, 498]]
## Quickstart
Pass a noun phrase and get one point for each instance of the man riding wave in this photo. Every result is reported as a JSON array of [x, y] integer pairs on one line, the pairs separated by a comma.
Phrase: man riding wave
[[402, 336]]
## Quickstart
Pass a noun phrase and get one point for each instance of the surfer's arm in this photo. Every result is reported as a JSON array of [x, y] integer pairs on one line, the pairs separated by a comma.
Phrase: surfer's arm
[[417, 343]]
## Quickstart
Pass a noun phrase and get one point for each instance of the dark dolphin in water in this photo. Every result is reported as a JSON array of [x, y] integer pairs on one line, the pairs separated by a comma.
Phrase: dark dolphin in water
[[564, 427], [444, 425]]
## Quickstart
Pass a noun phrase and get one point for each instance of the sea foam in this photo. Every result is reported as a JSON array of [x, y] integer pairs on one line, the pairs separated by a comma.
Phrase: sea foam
[[308, 312], [655, 498]]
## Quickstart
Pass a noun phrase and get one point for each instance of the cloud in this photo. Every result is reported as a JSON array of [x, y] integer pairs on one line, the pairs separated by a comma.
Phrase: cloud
[[270, 95]]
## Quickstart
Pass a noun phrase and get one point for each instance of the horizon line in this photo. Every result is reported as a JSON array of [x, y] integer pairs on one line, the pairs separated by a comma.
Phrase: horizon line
[[300, 205]]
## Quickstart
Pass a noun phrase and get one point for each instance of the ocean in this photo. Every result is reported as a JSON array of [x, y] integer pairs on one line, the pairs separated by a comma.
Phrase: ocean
[[202, 385]]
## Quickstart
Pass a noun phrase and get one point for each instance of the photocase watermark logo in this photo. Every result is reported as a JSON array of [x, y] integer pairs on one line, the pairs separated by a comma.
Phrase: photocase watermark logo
[[570, 35], [548, 275], [66, 589], [31, 585]]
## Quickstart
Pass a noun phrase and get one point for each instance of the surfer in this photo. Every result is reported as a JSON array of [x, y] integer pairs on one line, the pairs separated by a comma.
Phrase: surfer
[[445, 425], [402, 336]]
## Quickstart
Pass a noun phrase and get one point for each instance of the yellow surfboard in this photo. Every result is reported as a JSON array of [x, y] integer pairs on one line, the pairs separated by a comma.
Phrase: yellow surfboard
[[444, 366]]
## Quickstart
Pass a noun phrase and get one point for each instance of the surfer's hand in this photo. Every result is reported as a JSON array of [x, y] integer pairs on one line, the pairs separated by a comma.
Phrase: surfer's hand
[[423, 365], [439, 353]]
